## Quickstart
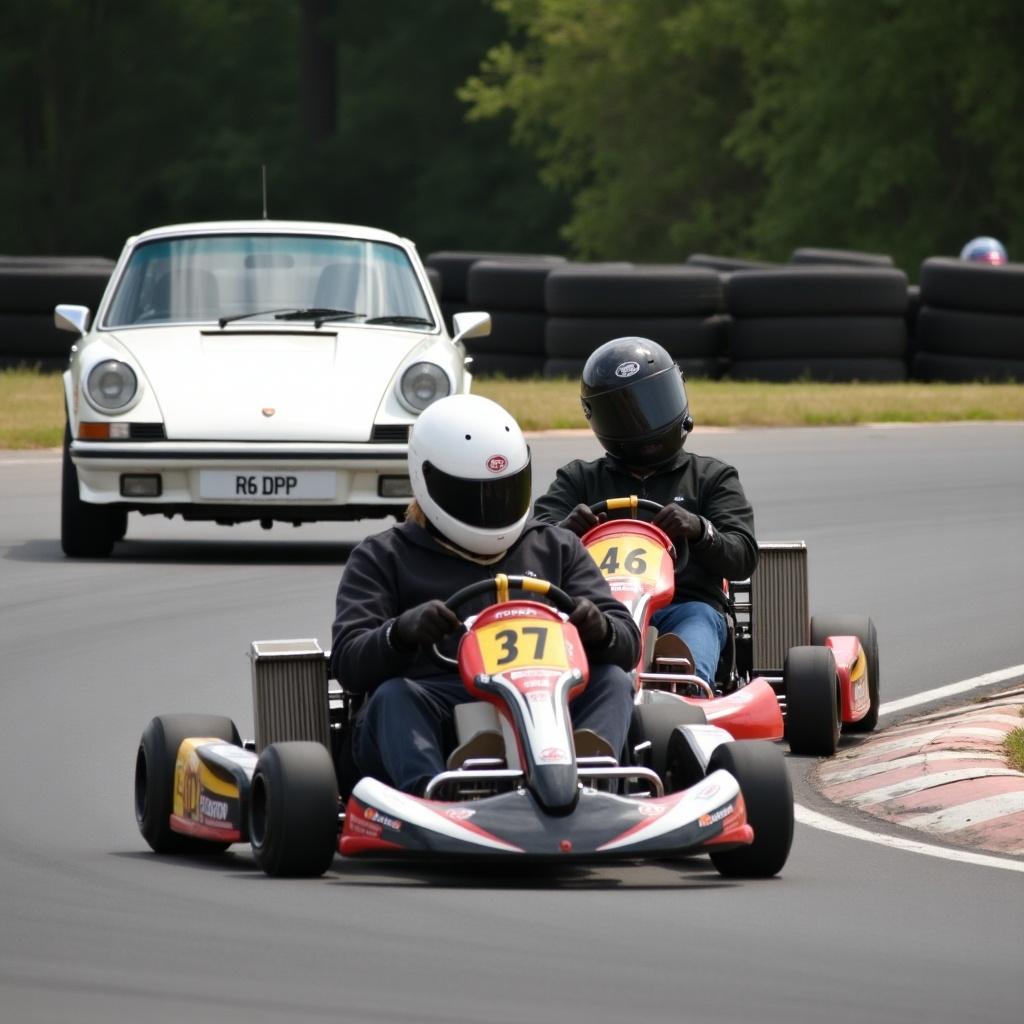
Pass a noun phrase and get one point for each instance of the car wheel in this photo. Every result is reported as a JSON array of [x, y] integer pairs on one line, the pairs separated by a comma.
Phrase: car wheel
[[812, 701], [154, 778], [656, 723], [863, 628], [293, 810], [760, 769], [86, 531]]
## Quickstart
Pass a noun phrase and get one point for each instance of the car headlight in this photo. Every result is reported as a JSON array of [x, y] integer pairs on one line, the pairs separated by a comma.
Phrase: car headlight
[[423, 384], [111, 385]]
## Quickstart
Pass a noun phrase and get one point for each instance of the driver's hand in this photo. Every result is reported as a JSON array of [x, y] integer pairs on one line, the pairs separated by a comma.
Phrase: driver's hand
[[679, 523], [591, 623], [581, 519], [424, 625]]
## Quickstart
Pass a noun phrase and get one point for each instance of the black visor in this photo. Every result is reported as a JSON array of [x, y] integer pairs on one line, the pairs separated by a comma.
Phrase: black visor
[[641, 409], [491, 504]]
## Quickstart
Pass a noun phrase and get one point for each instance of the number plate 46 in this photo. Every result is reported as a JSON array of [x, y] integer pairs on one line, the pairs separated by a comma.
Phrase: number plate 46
[[627, 556]]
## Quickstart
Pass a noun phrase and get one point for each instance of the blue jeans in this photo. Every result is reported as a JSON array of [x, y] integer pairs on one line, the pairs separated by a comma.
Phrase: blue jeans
[[703, 628], [405, 729]]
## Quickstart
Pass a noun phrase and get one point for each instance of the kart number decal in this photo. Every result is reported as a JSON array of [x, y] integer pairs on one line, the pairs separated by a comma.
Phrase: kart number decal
[[619, 557], [505, 646]]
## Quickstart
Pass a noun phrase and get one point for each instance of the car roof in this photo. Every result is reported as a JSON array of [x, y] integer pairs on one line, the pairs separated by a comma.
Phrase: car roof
[[271, 227]]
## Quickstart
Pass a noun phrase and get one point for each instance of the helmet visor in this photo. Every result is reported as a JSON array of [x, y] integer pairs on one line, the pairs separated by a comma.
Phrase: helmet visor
[[640, 409], [492, 504]]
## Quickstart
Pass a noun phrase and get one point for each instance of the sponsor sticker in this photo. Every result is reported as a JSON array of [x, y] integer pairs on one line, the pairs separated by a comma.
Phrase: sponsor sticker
[[372, 814], [629, 369], [213, 810], [649, 810], [497, 464], [459, 813], [709, 819], [555, 755], [709, 789]]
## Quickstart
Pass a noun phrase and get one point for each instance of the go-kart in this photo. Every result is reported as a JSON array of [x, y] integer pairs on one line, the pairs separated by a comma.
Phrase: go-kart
[[199, 788], [829, 678]]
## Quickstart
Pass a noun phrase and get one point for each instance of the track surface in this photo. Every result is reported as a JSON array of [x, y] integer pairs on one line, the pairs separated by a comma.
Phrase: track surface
[[919, 527]]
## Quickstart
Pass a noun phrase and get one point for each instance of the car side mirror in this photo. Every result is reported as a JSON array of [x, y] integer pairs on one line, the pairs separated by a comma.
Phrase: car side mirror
[[72, 318], [471, 325]]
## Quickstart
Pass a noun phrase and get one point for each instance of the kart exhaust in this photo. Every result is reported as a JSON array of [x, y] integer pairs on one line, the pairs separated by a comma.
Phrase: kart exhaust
[[289, 692]]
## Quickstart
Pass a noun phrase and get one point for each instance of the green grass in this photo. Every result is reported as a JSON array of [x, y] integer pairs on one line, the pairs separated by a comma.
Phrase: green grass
[[1013, 745], [32, 407]]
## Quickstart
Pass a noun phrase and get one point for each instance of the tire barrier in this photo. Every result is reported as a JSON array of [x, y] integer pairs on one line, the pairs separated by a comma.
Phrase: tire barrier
[[454, 267], [726, 264], [970, 325], [779, 370], [30, 288], [692, 368], [851, 257], [817, 291]]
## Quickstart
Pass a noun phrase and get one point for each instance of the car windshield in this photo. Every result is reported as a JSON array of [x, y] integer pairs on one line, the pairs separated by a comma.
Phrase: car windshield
[[257, 277]]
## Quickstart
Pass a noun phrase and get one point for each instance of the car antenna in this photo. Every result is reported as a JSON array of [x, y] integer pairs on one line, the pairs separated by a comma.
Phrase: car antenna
[[263, 173]]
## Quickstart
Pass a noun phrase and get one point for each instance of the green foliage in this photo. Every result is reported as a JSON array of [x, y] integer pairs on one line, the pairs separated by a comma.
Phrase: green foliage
[[750, 127]]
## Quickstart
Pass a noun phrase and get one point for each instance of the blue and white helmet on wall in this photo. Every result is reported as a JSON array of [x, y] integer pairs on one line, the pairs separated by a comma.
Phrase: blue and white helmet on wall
[[984, 250]]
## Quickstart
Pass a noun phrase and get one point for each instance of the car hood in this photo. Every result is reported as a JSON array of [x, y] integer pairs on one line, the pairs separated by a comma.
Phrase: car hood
[[256, 384]]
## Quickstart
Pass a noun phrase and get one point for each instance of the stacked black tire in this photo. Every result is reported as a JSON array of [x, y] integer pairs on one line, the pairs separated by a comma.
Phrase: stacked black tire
[[817, 321], [30, 287], [970, 325], [675, 305]]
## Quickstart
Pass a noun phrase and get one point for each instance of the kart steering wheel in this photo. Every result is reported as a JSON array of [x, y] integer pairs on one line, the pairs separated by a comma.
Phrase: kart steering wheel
[[500, 586], [633, 503]]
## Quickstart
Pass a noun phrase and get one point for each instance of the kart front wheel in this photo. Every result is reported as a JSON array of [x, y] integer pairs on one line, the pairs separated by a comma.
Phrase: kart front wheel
[[824, 626], [293, 810], [154, 778], [656, 722], [812, 701], [760, 769]]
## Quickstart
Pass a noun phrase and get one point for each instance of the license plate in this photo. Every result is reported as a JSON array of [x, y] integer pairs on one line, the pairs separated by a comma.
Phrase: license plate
[[267, 485]]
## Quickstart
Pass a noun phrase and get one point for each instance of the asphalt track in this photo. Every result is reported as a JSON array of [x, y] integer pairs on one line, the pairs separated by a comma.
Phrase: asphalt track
[[919, 527]]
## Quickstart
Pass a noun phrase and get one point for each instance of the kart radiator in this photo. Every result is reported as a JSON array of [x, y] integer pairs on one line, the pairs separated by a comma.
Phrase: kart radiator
[[780, 612], [289, 691]]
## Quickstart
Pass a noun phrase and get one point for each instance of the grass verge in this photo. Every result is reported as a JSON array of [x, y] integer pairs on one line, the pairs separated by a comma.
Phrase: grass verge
[[1013, 745], [32, 407]]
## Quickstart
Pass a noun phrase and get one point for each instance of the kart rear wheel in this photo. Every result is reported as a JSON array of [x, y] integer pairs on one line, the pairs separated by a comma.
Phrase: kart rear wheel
[[154, 778], [293, 810], [656, 722], [812, 701], [823, 626], [760, 769]]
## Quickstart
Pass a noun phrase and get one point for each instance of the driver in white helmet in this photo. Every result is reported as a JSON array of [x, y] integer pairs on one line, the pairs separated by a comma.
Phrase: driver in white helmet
[[470, 470]]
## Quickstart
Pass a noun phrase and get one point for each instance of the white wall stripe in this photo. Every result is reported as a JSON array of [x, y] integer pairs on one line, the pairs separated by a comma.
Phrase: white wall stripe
[[805, 816], [933, 780], [975, 812], [948, 733]]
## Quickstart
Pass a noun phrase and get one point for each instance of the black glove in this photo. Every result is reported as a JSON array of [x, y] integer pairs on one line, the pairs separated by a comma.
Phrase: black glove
[[581, 519], [679, 523], [591, 623], [423, 625]]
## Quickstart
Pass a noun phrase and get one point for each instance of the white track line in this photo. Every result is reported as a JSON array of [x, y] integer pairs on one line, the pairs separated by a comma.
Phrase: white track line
[[806, 816], [1015, 671], [933, 757]]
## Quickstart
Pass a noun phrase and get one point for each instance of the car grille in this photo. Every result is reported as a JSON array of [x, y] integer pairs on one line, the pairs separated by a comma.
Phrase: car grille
[[390, 433], [147, 432]]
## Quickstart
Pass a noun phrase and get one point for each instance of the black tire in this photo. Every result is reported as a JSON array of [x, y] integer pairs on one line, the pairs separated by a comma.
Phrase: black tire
[[959, 284], [817, 291], [33, 336], [710, 369], [656, 722], [849, 257], [860, 626], [760, 769], [434, 277], [86, 531], [958, 332], [506, 364], [293, 810], [511, 331], [817, 337], [726, 264], [154, 778], [508, 284], [812, 701], [453, 265], [930, 366], [817, 369], [35, 288], [689, 337], [610, 289]]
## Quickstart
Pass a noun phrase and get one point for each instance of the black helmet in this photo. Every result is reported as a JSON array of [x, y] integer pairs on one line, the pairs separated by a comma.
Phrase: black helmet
[[634, 397]]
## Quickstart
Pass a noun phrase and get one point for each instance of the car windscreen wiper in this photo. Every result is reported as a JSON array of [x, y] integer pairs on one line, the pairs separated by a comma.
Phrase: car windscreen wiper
[[412, 321], [321, 316], [225, 320]]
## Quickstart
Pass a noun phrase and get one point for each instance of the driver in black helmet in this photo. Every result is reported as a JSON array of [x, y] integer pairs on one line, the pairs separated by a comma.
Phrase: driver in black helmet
[[634, 398]]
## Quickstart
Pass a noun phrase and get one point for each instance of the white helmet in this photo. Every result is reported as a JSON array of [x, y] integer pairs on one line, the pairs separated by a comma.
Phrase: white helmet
[[470, 472]]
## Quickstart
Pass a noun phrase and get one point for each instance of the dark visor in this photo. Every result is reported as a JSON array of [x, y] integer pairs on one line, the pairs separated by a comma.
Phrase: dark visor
[[645, 407], [491, 504]]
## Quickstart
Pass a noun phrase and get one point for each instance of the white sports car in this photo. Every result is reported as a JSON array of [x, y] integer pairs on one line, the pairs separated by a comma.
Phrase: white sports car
[[252, 370]]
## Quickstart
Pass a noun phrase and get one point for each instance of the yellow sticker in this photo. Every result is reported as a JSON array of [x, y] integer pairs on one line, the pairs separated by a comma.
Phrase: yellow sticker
[[521, 644], [627, 556]]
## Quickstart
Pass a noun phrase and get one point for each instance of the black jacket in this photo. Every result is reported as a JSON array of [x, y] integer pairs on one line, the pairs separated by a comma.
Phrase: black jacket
[[404, 566], [704, 485]]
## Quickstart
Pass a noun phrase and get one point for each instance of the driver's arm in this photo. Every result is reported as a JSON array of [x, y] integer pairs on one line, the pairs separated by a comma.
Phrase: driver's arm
[[567, 491], [729, 548]]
